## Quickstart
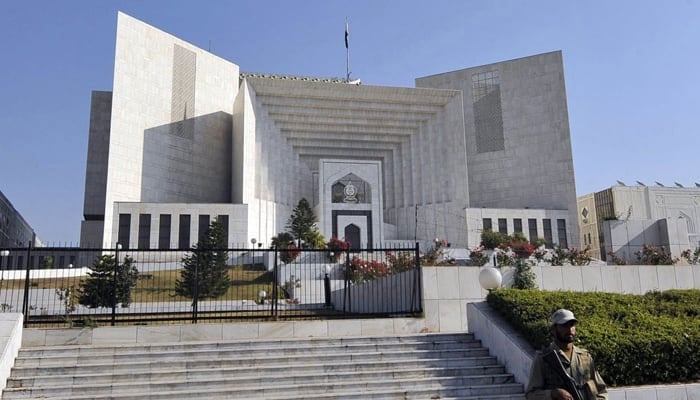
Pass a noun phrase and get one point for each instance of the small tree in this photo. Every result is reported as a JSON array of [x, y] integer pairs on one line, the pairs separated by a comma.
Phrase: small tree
[[204, 272], [524, 277], [65, 295], [315, 240], [284, 241], [98, 290], [302, 222]]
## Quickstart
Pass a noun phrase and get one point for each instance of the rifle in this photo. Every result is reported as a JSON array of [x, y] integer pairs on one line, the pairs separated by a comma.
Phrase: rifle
[[570, 383]]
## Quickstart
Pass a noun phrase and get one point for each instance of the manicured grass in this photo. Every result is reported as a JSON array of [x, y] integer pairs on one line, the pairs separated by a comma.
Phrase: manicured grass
[[159, 286]]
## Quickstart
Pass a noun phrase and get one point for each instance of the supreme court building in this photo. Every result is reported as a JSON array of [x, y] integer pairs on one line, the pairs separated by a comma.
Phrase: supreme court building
[[185, 136]]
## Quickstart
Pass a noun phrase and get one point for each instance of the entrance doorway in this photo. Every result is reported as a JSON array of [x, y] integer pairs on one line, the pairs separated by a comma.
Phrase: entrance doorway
[[353, 226], [352, 236]]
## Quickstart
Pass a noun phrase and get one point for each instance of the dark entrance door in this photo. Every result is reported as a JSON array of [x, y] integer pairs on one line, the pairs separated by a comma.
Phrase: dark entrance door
[[352, 236]]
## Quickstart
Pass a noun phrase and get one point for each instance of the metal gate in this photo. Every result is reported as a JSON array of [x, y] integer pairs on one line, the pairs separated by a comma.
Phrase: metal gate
[[55, 286]]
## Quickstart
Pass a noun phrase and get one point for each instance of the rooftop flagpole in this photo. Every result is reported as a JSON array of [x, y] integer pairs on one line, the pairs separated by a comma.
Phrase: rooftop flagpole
[[347, 51]]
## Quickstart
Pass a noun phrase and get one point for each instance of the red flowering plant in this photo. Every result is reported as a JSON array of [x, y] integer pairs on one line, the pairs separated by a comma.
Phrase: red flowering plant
[[367, 270], [579, 257], [519, 244], [616, 259], [653, 255], [401, 261], [505, 256], [289, 253], [573, 256], [336, 247]]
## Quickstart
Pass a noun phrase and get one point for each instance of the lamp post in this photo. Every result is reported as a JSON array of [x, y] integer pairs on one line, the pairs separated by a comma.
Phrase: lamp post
[[252, 253], [490, 278], [327, 286]]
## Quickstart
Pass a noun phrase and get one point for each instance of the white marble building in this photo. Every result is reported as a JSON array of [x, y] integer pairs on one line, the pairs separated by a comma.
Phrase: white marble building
[[185, 137], [624, 218]]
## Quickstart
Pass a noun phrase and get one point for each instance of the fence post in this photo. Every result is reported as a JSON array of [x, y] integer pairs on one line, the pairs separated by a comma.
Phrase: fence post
[[117, 247], [417, 296], [347, 300], [275, 287], [327, 288], [195, 295], [25, 303]]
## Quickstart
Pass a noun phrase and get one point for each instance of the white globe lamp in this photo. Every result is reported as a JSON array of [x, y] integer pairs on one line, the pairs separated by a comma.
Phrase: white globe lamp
[[490, 278]]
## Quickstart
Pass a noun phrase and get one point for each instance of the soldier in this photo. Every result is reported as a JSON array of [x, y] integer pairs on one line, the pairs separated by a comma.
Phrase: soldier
[[562, 370]]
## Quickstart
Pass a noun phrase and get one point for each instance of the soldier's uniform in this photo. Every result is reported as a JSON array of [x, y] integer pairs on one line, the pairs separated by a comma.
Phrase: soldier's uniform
[[544, 378]]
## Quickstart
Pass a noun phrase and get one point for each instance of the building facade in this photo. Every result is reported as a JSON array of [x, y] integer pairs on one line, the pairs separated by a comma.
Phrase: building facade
[[623, 218], [184, 137], [14, 230]]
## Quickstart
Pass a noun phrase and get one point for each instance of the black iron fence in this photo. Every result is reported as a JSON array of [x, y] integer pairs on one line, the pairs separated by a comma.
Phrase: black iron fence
[[56, 286]]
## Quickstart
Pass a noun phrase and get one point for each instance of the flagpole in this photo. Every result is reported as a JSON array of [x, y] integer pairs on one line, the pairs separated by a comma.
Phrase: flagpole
[[347, 51]]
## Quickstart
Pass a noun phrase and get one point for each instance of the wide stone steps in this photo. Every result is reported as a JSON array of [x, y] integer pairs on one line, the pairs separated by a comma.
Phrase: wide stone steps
[[419, 366]]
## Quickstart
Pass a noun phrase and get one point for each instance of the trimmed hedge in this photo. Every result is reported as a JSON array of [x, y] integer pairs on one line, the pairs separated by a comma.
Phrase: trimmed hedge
[[635, 340]]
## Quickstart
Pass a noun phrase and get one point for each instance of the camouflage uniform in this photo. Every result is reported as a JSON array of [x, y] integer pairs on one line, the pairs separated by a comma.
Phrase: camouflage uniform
[[544, 378]]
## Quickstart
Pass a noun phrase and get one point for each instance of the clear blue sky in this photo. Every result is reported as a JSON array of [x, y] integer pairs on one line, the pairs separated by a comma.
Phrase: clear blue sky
[[631, 70]]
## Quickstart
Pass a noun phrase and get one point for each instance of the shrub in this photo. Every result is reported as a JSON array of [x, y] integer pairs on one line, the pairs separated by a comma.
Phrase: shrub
[[435, 254], [505, 258], [559, 255], [492, 239], [579, 257], [539, 242], [693, 258], [521, 247], [401, 261], [367, 270], [524, 277], [635, 340], [654, 255], [617, 260], [477, 257]]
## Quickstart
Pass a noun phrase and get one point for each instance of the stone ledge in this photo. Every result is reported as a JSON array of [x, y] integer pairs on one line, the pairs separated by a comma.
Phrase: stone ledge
[[10, 340], [114, 335]]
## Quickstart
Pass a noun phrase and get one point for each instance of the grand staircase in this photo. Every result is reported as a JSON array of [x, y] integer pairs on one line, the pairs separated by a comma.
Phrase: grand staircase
[[423, 366]]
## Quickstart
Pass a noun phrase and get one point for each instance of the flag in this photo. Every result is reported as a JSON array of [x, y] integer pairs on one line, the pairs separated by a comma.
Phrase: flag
[[347, 33]]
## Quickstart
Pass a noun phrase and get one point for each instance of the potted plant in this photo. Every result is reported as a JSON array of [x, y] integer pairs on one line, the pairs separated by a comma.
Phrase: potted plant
[[291, 285]]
